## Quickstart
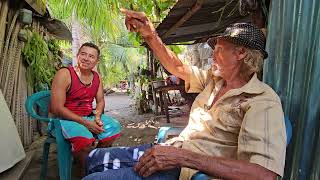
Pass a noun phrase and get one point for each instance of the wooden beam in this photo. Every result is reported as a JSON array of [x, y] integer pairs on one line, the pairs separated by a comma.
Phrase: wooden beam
[[184, 18], [38, 5]]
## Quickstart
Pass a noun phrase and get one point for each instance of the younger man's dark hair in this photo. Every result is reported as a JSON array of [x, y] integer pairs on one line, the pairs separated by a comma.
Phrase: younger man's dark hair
[[89, 44]]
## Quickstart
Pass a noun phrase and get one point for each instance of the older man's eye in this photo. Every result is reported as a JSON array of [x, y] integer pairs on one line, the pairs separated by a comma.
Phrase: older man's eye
[[217, 49]]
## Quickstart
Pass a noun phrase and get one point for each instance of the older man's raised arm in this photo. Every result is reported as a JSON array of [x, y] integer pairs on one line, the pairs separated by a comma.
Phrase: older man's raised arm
[[138, 22]]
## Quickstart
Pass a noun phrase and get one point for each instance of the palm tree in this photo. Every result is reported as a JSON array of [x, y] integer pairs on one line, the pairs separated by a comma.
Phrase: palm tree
[[120, 57], [91, 15], [100, 15], [101, 21]]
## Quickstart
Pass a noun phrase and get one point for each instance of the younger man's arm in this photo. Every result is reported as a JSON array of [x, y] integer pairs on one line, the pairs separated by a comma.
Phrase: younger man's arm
[[100, 103]]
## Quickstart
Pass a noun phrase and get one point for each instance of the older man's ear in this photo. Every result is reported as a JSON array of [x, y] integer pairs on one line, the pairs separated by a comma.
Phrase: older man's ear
[[241, 53]]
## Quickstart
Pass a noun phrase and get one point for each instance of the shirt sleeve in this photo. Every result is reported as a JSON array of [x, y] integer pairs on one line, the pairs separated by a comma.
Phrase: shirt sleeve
[[198, 80], [262, 137]]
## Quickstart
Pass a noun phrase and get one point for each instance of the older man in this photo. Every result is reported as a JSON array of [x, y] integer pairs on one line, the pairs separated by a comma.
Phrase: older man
[[236, 128]]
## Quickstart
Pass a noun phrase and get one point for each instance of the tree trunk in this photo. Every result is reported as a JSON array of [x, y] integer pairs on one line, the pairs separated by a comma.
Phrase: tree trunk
[[75, 38]]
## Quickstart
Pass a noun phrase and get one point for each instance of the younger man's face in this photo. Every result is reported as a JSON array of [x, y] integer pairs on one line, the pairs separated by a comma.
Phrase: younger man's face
[[87, 57]]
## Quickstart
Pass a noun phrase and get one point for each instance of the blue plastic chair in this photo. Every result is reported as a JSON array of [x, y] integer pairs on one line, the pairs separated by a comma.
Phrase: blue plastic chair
[[37, 107], [164, 132]]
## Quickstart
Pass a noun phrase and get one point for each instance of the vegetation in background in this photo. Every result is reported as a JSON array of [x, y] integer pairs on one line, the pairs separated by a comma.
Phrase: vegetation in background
[[102, 21], [54, 53], [101, 16], [41, 65], [121, 50], [65, 48]]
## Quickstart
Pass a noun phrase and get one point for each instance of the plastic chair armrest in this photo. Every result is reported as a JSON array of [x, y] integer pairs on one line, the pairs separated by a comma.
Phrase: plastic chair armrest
[[200, 176], [164, 132], [37, 117]]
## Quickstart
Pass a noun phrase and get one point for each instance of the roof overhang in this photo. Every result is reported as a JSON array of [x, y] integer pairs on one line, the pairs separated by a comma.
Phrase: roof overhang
[[196, 20], [56, 28], [38, 5]]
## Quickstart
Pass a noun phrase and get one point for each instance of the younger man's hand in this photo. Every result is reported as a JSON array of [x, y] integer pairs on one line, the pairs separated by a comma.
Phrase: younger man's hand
[[93, 127], [98, 122]]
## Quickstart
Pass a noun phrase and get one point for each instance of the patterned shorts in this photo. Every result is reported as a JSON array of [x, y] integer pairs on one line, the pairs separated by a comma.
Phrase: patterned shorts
[[117, 163]]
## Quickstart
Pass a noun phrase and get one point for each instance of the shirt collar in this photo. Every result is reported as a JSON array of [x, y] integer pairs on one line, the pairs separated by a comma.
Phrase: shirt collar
[[254, 86]]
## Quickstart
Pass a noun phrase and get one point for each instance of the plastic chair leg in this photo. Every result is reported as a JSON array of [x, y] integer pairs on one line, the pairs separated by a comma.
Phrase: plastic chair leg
[[64, 158], [65, 163], [45, 154]]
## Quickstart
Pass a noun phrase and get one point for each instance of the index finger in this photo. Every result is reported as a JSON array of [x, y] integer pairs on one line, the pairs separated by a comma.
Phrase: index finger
[[100, 129], [134, 14]]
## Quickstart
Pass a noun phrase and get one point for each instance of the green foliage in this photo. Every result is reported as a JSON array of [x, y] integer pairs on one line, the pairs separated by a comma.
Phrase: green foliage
[[155, 9], [176, 48], [66, 48], [122, 51], [100, 17], [117, 63], [97, 15], [41, 68], [53, 46], [113, 73], [54, 49]]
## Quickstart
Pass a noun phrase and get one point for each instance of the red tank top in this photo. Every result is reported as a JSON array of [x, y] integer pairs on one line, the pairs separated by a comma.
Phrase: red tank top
[[80, 96]]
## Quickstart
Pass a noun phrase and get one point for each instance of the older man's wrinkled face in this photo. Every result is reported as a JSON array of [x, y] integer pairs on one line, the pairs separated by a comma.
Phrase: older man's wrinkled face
[[226, 57], [87, 57]]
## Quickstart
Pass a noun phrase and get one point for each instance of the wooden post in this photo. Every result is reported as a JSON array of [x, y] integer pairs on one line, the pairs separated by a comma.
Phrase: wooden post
[[165, 101], [153, 73], [155, 100], [154, 93], [148, 57]]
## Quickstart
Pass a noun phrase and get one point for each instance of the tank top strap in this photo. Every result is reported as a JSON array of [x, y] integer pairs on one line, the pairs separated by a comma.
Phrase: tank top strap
[[75, 81], [96, 79], [73, 73]]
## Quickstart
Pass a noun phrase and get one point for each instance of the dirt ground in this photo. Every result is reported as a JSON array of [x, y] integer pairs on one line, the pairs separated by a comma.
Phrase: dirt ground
[[137, 129]]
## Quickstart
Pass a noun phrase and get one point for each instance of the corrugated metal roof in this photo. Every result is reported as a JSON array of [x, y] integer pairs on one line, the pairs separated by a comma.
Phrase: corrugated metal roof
[[293, 70], [202, 23]]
